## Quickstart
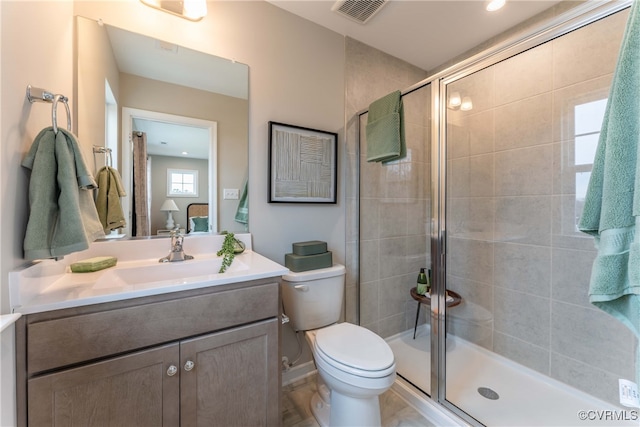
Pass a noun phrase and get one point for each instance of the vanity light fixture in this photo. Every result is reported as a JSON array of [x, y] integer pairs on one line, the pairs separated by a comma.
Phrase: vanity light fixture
[[455, 100], [193, 10], [493, 5], [466, 104]]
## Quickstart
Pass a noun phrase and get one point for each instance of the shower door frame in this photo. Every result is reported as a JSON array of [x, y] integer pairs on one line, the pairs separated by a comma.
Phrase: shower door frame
[[560, 25]]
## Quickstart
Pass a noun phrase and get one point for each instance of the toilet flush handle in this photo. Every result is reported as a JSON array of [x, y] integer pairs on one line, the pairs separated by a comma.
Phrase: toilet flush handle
[[301, 288]]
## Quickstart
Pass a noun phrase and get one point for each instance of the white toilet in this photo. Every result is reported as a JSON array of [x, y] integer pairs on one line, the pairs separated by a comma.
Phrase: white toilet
[[355, 365]]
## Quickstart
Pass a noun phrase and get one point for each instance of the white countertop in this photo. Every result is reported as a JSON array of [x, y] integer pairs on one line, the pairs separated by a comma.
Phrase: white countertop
[[7, 320], [49, 285]]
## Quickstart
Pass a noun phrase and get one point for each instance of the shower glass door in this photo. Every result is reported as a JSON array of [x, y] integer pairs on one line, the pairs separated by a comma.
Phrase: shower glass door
[[525, 347], [394, 210]]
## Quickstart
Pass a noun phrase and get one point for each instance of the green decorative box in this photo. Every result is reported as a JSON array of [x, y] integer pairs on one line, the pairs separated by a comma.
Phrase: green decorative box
[[312, 247], [298, 263]]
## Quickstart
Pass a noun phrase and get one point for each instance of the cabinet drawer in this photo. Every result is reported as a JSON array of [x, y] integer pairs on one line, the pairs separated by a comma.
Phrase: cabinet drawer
[[65, 341]]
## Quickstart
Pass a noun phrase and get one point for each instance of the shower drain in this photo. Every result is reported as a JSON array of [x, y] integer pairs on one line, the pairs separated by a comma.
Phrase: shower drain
[[488, 393]]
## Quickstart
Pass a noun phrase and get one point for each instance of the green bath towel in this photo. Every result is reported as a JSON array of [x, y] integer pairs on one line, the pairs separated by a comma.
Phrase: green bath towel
[[612, 205], [62, 216], [108, 204], [385, 129]]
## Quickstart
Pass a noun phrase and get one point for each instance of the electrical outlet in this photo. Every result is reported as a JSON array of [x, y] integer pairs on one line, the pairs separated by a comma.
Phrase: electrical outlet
[[230, 194], [629, 393]]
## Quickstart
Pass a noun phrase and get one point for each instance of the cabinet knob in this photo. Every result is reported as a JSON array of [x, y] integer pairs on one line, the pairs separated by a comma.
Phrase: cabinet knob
[[189, 365], [172, 370]]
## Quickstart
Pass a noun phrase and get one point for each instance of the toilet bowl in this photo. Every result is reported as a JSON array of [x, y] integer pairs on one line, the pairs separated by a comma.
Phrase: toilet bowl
[[354, 364]]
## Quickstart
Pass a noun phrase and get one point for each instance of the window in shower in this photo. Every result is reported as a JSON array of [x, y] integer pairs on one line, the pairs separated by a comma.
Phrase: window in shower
[[588, 121]]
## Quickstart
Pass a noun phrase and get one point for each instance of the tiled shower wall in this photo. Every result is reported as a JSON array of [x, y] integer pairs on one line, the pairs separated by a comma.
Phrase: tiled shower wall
[[371, 74], [514, 253], [395, 223], [391, 223]]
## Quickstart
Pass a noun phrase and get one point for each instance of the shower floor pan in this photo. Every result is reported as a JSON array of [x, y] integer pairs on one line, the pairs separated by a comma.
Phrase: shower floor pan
[[500, 392]]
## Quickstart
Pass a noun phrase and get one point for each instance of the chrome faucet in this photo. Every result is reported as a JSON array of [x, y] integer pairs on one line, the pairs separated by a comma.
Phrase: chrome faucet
[[177, 252]]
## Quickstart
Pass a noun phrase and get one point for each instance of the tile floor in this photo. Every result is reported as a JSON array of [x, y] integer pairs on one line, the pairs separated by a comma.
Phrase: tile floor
[[296, 412]]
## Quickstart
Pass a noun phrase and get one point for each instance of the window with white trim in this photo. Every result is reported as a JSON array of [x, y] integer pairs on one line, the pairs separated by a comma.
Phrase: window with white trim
[[182, 183]]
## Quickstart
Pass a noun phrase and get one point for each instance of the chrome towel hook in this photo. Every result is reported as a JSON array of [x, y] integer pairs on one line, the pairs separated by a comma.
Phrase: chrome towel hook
[[107, 153], [40, 95], [54, 108]]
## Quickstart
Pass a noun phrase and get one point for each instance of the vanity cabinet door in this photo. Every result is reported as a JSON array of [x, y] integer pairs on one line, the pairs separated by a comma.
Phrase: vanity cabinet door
[[140, 389], [233, 378]]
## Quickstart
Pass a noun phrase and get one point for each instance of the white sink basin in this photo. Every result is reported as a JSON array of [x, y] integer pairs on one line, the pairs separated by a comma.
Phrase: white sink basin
[[163, 274]]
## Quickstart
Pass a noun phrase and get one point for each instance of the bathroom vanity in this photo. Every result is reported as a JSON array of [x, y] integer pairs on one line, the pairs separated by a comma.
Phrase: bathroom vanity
[[207, 354]]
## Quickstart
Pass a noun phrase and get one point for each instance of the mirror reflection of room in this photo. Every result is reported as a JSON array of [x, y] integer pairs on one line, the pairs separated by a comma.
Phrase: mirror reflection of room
[[192, 109], [170, 165]]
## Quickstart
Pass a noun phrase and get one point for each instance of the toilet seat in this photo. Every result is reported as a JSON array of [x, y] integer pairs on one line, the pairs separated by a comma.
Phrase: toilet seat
[[354, 350]]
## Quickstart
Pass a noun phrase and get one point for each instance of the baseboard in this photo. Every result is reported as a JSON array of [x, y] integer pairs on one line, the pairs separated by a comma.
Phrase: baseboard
[[421, 403], [299, 372]]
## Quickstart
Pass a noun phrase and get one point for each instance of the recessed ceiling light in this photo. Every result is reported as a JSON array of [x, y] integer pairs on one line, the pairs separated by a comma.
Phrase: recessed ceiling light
[[184, 153], [493, 5]]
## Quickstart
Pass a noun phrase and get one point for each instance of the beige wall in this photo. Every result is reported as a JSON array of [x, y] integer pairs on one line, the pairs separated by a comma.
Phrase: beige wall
[[37, 40], [31, 37], [96, 64], [43, 57], [283, 73]]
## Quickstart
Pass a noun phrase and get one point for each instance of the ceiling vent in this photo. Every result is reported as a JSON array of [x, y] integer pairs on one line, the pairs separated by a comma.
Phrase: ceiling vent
[[360, 11]]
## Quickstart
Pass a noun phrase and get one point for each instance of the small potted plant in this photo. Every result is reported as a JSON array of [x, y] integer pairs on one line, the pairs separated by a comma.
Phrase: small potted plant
[[231, 247]]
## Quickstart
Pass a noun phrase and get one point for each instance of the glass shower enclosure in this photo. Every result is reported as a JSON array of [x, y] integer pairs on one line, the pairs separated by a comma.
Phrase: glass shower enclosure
[[499, 154]]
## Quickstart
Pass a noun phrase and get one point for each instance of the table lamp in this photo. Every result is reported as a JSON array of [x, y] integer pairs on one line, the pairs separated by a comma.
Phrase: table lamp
[[169, 206]]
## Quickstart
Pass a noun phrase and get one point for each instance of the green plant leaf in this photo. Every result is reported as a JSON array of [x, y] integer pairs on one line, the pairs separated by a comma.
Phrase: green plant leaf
[[227, 252]]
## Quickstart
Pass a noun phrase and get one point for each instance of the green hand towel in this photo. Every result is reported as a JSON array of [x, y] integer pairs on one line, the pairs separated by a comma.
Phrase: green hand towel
[[108, 204], [62, 217], [385, 129], [242, 214], [612, 205]]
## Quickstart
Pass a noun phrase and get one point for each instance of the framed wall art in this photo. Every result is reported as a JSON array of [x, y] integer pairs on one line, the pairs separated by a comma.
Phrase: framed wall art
[[302, 164]]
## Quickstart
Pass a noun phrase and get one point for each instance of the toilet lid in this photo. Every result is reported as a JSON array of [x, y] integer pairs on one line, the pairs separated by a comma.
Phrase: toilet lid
[[355, 347]]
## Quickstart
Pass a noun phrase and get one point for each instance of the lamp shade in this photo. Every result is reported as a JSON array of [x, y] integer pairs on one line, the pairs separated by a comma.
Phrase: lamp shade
[[169, 206]]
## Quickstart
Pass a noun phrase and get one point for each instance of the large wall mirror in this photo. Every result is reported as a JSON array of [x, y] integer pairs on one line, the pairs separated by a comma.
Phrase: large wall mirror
[[185, 111]]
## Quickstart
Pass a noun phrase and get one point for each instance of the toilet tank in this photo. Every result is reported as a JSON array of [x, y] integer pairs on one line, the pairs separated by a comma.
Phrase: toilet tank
[[313, 299]]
